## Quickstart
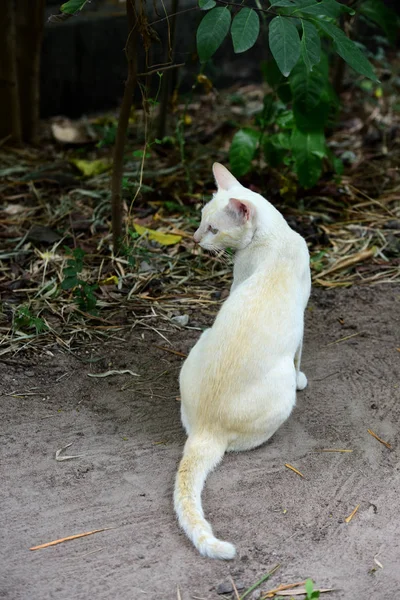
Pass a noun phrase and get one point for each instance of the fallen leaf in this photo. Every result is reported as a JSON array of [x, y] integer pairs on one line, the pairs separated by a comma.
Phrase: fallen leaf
[[351, 515], [89, 168], [165, 239], [113, 280]]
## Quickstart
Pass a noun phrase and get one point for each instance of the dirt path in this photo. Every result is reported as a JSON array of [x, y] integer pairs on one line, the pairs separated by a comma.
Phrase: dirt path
[[131, 441]]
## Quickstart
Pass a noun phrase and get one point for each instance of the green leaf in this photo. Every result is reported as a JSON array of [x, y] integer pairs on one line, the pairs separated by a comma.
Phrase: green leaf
[[383, 16], [242, 150], [69, 282], [207, 4], [308, 151], [245, 29], [275, 149], [314, 100], [285, 120], [309, 587], [310, 45], [307, 86], [348, 50], [282, 3], [73, 6], [212, 32], [325, 8], [284, 42], [271, 73]]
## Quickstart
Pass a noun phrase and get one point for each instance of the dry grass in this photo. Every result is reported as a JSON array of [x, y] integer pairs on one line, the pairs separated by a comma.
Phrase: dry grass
[[351, 226]]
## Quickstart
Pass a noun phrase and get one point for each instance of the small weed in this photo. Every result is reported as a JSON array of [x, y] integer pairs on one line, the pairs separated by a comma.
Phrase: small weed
[[82, 291], [108, 132], [24, 319], [311, 594]]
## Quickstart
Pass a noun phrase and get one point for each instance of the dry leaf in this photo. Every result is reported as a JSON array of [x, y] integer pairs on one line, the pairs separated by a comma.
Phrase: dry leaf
[[89, 168], [351, 515], [165, 239], [112, 280]]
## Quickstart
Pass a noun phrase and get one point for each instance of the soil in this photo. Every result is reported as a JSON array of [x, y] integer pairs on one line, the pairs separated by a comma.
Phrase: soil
[[128, 433]]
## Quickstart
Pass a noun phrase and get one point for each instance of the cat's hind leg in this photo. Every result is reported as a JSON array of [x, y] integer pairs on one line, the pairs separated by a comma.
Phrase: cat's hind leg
[[301, 379]]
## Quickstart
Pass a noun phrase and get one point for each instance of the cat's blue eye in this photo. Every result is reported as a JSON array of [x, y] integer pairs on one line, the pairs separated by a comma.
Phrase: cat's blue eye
[[213, 230]]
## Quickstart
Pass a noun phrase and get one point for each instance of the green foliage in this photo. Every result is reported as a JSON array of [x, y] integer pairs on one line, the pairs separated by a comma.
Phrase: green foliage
[[311, 594], [207, 4], [311, 18], [303, 104], [310, 45], [212, 31], [309, 149], [73, 6], [24, 319], [242, 150], [82, 291], [348, 50], [383, 16], [108, 133], [245, 29], [284, 42]]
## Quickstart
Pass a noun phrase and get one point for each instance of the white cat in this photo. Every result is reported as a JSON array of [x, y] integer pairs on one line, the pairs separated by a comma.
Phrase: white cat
[[238, 384]]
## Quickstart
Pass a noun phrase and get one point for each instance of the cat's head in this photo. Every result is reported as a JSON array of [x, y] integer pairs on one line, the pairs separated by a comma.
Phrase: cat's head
[[228, 220]]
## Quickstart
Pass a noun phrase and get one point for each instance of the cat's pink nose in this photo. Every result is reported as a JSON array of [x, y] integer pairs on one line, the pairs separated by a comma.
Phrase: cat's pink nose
[[196, 237]]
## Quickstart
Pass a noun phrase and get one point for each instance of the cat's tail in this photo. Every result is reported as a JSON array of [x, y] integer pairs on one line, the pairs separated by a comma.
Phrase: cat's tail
[[202, 453]]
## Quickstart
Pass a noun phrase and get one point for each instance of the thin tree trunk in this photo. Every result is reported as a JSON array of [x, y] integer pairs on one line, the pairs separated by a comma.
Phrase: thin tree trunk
[[10, 126], [123, 121], [169, 77], [29, 23]]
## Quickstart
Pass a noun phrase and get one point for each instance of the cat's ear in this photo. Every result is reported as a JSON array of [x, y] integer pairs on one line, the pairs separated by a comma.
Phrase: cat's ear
[[241, 210], [223, 178]]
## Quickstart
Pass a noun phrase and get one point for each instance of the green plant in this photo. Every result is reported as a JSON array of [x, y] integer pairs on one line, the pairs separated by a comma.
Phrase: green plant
[[311, 595], [82, 291], [24, 319], [302, 35]]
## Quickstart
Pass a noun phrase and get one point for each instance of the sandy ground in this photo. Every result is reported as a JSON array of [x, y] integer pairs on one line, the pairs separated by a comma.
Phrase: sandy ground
[[131, 441]]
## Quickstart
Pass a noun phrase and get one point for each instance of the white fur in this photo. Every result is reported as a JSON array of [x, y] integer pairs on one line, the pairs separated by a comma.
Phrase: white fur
[[238, 384]]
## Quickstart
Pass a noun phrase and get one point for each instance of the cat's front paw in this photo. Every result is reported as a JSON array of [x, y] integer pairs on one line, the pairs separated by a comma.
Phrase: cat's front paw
[[301, 381]]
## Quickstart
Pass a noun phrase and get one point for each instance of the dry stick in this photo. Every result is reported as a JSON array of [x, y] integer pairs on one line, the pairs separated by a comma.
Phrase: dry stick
[[280, 588], [379, 439], [288, 466], [10, 122], [70, 537], [171, 351], [168, 79], [29, 24], [333, 450], [235, 589], [123, 121]]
